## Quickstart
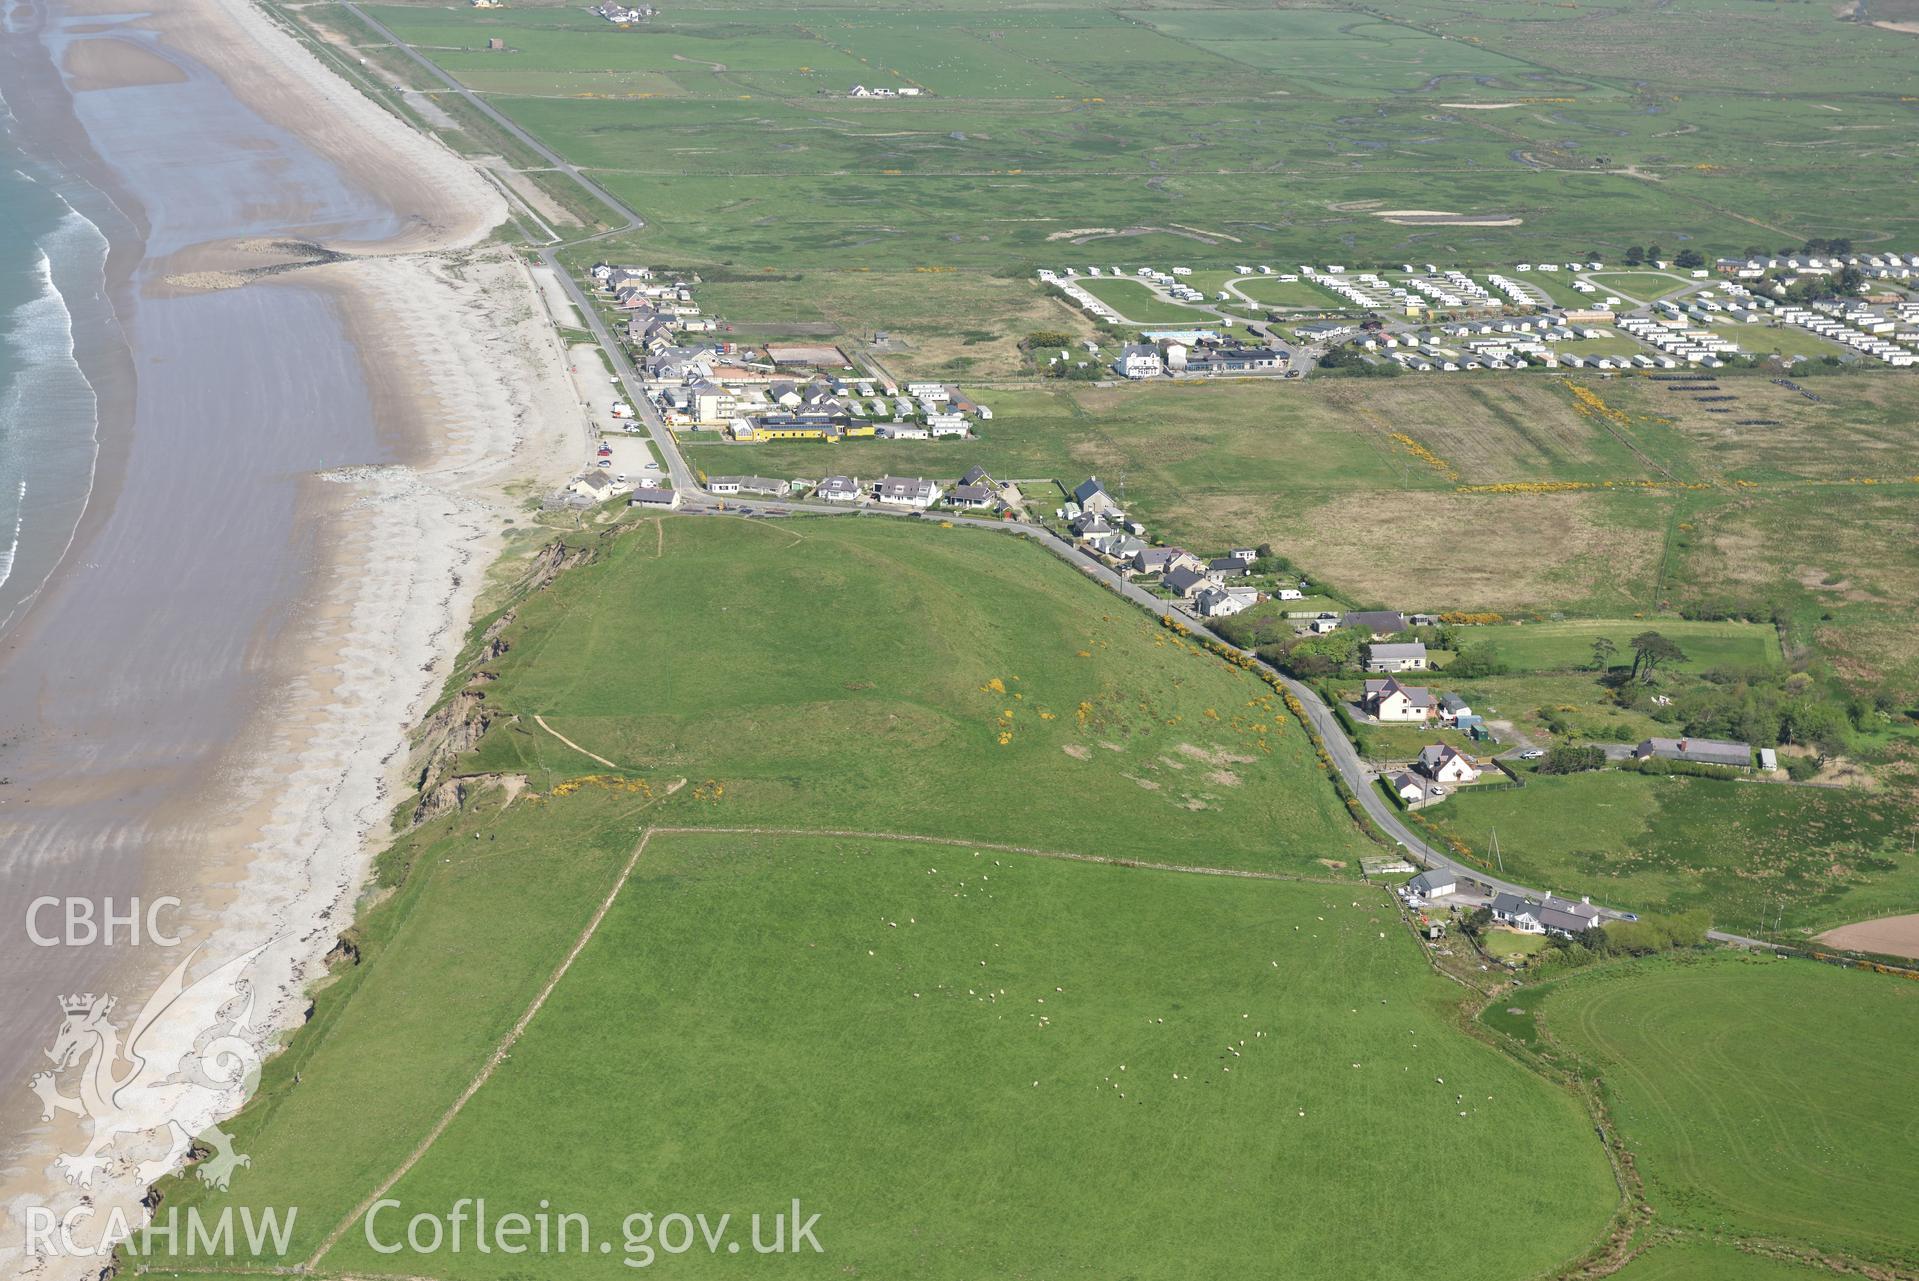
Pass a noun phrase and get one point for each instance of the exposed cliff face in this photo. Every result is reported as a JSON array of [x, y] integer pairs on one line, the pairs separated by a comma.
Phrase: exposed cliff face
[[457, 727]]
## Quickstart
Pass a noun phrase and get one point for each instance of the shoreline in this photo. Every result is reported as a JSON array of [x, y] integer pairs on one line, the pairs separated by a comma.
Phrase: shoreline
[[466, 391]]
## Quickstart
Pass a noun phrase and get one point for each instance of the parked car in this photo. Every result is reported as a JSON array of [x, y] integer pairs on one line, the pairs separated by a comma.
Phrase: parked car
[[1531, 754]]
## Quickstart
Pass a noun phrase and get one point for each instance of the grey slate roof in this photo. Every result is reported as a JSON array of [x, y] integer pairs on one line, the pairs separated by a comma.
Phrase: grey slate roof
[[1376, 620], [1184, 581]]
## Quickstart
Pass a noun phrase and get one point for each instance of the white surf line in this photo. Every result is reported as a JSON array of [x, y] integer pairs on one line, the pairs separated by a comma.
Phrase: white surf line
[[541, 721], [493, 1061]]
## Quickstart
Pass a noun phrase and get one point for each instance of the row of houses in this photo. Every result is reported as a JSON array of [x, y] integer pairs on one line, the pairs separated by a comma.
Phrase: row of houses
[[1096, 521], [976, 491]]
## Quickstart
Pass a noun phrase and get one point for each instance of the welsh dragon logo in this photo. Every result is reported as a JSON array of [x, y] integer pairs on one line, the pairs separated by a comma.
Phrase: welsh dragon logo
[[141, 1114]]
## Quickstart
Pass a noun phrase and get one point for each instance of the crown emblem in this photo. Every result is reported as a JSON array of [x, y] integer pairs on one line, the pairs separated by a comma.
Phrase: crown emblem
[[82, 1004]]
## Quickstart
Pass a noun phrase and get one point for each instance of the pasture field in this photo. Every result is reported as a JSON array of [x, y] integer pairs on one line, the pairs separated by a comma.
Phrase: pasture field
[[1087, 134], [1575, 701], [879, 676], [763, 1015], [760, 1018], [1781, 340], [945, 325], [1568, 645], [1752, 1093], [1707, 1260], [1655, 505], [1756, 856]]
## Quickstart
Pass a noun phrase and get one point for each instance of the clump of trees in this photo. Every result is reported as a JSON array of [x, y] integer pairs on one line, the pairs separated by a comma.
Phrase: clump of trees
[[1567, 758], [1687, 259], [1352, 360]]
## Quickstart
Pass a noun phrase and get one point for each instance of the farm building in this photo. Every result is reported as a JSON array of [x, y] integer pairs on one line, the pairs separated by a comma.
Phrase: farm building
[[815, 354], [1380, 623], [1396, 658], [648, 496], [1702, 751], [1436, 883]]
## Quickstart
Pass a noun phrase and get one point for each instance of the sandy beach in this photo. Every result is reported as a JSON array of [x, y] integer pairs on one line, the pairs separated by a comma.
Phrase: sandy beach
[[290, 521]]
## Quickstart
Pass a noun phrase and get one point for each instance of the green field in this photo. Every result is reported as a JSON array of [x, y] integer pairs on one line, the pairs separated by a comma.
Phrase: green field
[[1640, 286], [1688, 1260], [1756, 856], [918, 1033], [1083, 134], [1568, 645], [1754, 1097], [1272, 292], [766, 1018], [880, 676], [1509, 946], [1141, 305]]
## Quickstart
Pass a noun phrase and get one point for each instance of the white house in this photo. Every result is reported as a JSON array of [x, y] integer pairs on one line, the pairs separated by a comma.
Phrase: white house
[[898, 491], [1436, 883], [1553, 916], [595, 485], [838, 489], [1139, 360], [1410, 787], [1388, 700], [1444, 763], [1220, 602]]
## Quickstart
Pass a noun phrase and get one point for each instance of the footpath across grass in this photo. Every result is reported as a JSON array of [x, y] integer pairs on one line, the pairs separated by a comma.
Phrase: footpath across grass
[[975, 1064]]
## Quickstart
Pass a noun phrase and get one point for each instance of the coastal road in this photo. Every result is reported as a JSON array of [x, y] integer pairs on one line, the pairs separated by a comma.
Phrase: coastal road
[[664, 444], [682, 476], [620, 209]]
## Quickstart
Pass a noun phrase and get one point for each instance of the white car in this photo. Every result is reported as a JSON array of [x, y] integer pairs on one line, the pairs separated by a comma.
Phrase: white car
[[1532, 754]]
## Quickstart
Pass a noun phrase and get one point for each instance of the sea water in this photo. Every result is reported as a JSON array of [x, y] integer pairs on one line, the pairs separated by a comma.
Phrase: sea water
[[52, 258]]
